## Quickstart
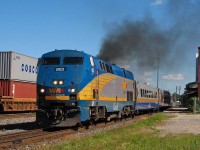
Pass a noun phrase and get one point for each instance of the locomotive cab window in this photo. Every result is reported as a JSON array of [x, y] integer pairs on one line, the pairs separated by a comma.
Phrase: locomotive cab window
[[73, 60], [51, 61]]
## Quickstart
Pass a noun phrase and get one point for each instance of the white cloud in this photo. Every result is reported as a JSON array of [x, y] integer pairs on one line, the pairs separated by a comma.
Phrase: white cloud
[[157, 2], [127, 67], [147, 74], [178, 76], [145, 77]]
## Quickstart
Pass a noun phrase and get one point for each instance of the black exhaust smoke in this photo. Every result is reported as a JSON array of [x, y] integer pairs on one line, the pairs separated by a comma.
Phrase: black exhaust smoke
[[135, 42], [140, 43]]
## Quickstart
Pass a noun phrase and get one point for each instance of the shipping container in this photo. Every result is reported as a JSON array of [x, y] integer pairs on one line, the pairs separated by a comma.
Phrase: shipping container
[[18, 67], [17, 89], [17, 96], [18, 75]]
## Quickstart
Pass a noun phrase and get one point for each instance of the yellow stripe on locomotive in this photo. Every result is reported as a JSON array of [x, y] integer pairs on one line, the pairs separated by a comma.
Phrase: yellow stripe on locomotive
[[104, 85]]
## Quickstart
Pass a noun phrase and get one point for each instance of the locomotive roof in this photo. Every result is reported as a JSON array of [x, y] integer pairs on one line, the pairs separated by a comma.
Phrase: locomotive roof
[[60, 53]]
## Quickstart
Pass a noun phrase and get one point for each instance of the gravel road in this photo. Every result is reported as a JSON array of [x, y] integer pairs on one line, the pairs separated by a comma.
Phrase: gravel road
[[181, 123]]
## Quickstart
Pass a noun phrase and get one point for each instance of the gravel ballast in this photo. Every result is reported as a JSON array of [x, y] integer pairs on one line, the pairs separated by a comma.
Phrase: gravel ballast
[[16, 123]]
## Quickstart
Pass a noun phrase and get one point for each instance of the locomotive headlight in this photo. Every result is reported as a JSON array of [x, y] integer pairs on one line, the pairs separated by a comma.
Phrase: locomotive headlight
[[42, 90], [61, 82], [55, 82], [72, 90]]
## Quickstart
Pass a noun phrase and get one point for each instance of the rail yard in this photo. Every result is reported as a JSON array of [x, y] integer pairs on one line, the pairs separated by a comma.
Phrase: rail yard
[[99, 75], [29, 136], [82, 95], [36, 138], [98, 95]]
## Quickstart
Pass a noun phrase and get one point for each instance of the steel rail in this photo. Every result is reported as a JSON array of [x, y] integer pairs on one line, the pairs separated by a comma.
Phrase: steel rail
[[22, 138]]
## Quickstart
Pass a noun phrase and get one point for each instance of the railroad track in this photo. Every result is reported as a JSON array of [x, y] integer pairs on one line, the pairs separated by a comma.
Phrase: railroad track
[[18, 139]]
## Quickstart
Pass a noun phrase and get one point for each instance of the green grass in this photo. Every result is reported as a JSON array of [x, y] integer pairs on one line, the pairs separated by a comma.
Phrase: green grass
[[139, 136]]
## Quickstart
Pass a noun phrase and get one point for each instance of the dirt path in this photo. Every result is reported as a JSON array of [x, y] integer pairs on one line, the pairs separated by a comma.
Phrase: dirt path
[[182, 123]]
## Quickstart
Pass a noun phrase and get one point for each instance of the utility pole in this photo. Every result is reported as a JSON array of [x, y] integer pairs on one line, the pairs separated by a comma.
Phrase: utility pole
[[158, 59], [176, 93]]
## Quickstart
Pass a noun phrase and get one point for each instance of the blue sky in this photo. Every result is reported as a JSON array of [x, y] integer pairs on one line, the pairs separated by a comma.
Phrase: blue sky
[[33, 27]]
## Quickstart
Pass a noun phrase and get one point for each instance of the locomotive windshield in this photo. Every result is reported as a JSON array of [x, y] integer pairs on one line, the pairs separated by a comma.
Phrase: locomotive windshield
[[73, 60], [51, 61]]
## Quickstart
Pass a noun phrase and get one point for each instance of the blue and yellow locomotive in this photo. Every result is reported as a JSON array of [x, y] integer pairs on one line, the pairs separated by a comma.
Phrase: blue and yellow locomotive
[[74, 87]]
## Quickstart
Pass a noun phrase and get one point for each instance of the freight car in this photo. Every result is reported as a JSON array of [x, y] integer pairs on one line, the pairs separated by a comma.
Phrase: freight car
[[17, 82], [74, 87]]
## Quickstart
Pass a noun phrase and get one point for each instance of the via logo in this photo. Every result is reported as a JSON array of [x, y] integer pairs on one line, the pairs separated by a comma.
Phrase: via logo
[[56, 90]]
